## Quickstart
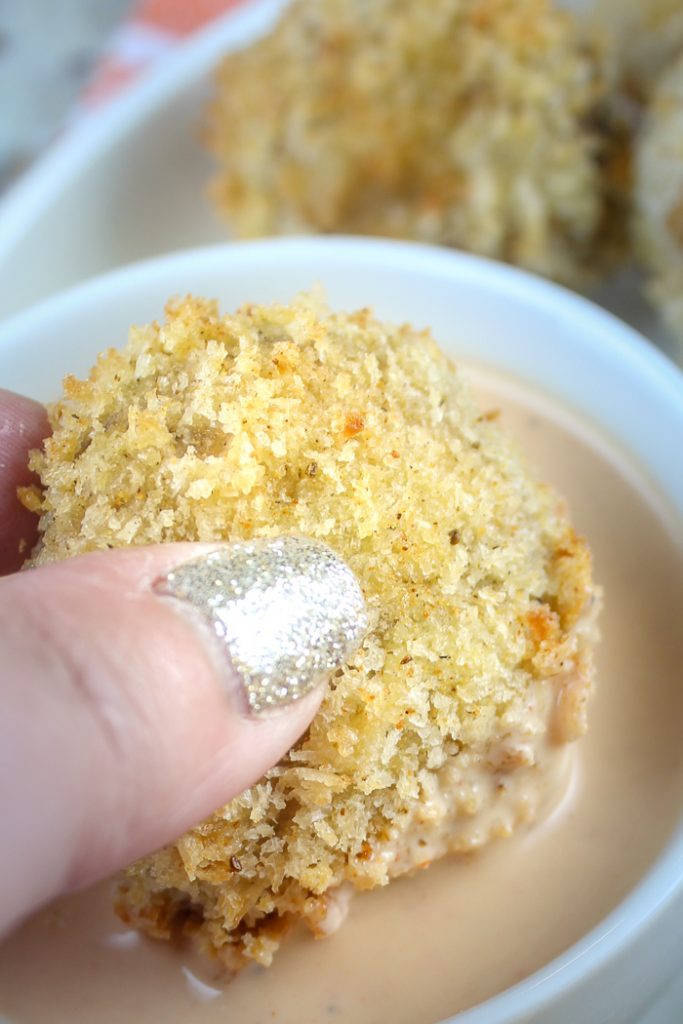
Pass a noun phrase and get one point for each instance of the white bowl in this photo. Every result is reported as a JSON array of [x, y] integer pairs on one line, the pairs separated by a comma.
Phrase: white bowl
[[495, 316]]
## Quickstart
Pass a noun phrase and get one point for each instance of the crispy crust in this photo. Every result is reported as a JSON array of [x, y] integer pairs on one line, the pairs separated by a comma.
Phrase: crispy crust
[[447, 727], [648, 36], [464, 122], [659, 197]]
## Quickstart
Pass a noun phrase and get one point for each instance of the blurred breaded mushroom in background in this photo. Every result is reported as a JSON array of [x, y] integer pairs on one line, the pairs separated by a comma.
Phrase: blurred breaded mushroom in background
[[517, 129], [647, 35], [471, 123], [659, 197]]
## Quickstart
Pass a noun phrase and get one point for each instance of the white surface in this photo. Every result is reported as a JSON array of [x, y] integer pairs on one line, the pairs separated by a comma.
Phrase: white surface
[[496, 316], [668, 1008]]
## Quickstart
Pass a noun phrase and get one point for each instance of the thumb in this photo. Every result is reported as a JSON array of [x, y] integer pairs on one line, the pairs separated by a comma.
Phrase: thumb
[[145, 687]]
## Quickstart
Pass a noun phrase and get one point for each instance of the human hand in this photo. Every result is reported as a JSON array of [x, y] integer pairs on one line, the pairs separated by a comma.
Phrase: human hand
[[127, 706]]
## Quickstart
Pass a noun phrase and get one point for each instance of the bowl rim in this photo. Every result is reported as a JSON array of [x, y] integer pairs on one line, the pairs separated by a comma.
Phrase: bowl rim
[[98, 130], [663, 881], [616, 337]]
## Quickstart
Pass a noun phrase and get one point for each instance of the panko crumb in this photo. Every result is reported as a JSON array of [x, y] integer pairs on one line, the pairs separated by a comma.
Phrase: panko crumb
[[448, 726], [647, 37], [659, 197], [472, 123]]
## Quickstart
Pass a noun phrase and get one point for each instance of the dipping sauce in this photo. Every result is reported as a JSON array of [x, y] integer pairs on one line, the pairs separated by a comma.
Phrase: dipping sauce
[[426, 947]]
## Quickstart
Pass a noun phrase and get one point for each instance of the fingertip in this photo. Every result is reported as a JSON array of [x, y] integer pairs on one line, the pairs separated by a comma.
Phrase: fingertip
[[23, 425], [145, 735]]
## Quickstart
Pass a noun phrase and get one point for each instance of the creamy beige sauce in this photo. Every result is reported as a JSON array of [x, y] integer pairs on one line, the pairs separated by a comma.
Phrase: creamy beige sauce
[[472, 925]]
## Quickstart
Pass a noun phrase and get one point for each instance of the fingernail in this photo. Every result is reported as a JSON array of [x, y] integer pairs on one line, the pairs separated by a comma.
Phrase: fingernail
[[288, 611]]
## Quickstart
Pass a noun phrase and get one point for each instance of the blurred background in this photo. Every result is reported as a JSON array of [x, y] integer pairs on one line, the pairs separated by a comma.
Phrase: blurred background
[[60, 60], [48, 51]]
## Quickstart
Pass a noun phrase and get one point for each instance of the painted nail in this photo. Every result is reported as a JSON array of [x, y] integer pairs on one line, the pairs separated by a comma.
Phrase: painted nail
[[288, 611]]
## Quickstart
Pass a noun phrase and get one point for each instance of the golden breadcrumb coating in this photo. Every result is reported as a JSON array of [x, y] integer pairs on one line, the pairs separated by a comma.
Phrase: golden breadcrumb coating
[[659, 197], [648, 35], [444, 729], [463, 122]]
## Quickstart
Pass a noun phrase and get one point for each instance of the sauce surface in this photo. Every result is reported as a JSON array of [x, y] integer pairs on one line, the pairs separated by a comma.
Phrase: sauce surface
[[426, 947]]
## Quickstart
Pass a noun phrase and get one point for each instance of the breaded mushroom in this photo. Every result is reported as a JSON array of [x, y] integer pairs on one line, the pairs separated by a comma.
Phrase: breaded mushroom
[[659, 197], [647, 34], [470, 123], [449, 726]]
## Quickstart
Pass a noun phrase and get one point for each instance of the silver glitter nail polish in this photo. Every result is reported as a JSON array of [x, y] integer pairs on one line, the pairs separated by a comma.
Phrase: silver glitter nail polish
[[288, 610]]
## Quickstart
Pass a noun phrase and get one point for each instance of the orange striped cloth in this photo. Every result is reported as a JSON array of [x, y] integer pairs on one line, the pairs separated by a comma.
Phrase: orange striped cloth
[[154, 28]]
